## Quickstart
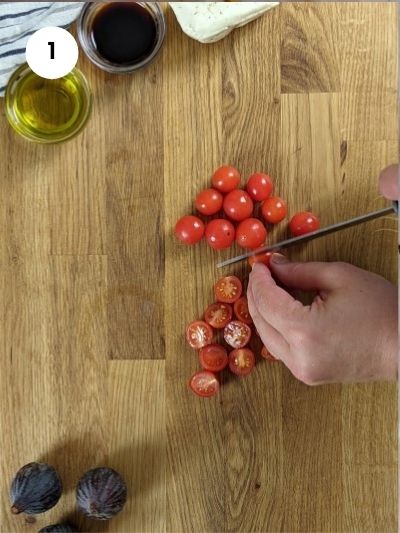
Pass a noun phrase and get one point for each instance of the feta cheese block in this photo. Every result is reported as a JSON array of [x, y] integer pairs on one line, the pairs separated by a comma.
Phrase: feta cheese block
[[208, 22]]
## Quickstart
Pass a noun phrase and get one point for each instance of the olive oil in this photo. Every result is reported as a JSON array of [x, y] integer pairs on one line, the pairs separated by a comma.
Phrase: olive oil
[[47, 110]]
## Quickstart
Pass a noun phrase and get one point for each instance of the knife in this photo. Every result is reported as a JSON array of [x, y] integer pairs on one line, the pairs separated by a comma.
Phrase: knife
[[394, 208]]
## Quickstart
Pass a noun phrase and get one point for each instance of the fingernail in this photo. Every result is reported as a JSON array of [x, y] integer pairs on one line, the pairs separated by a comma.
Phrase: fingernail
[[279, 259]]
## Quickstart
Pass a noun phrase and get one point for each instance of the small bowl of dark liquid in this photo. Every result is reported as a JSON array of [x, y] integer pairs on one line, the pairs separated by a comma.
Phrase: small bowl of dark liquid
[[121, 37]]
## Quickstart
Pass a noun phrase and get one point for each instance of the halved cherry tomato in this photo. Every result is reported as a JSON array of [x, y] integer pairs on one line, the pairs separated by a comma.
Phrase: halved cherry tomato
[[259, 186], [264, 258], [204, 384], [220, 233], [189, 229], [209, 202], [273, 209], [218, 315], [241, 310], [241, 361], [238, 205], [213, 357], [225, 178], [228, 289], [199, 334], [267, 355], [303, 222], [237, 334], [251, 233]]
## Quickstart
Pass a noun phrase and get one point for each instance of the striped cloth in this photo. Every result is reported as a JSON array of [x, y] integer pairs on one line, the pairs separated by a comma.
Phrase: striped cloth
[[19, 20]]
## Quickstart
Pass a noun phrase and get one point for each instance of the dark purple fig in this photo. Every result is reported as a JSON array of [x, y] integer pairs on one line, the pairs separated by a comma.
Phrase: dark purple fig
[[59, 528], [35, 489], [101, 493]]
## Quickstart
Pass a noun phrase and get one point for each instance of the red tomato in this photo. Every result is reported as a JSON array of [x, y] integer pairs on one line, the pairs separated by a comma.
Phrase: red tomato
[[228, 289], [218, 315], [241, 310], [189, 229], [251, 233], [213, 357], [241, 361], [237, 334], [209, 202], [264, 258], [204, 384], [220, 233], [267, 355], [199, 334], [225, 178], [274, 209], [238, 205], [303, 222], [259, 186]]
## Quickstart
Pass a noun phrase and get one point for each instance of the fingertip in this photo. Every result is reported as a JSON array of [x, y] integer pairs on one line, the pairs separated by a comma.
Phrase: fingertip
[[388, 182]]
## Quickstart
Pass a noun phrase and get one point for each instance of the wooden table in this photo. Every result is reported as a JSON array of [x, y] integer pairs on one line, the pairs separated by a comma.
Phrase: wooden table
[[95, 291]]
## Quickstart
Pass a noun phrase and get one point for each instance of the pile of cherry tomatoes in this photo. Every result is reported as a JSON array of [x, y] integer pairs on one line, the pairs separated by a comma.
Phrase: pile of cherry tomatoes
[[237, 206], [230, 315]]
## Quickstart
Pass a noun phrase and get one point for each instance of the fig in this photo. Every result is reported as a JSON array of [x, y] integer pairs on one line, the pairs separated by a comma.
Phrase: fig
[[35, 489], [59, 528], [101, 493]]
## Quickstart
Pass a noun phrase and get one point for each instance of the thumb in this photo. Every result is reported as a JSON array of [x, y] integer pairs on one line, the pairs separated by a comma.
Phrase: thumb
[[312, 276]]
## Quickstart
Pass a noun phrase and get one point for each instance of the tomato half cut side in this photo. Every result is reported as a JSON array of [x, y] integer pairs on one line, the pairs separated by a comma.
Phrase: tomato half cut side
[[241, 310], [199, 334], [237, 334], [213, 357], [267, 355], [218, 315], [204, 384], [241, 361], [228, 289]]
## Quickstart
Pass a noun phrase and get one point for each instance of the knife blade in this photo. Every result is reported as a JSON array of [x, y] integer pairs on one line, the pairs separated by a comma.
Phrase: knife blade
[[313, 235]]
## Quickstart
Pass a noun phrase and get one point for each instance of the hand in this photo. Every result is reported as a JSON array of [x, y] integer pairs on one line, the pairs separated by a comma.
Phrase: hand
[[348, 333], [389, 182]]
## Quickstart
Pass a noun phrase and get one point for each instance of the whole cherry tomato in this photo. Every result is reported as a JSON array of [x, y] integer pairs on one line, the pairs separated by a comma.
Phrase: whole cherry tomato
[[251, 233], [189, 229], [273, 209], [259, 186], [225, 178], [220, 233], [303, 222], [209, 202], [238, 205]]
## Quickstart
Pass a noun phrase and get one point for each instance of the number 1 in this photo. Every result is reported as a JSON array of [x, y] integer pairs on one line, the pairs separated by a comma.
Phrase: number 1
[[51, 44]]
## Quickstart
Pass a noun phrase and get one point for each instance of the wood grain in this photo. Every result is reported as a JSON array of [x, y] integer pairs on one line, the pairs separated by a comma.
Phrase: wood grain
[[95, 292]]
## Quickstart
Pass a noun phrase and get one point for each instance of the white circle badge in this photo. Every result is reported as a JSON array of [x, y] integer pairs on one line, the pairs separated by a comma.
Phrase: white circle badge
[[51, 52]]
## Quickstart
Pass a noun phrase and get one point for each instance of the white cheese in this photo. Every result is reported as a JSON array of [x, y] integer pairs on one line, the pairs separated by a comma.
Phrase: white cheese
[[208, 22]]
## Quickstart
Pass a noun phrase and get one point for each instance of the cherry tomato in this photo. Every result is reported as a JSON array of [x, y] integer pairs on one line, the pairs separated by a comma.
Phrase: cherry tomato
[[241, 310], [274, 209], [264, 258], [189, 229], [220, 233], [241, 361], [267, 355], [218, 315], [204, 384], [225, 179], [199, 334], [238, 205], [237, 334], [209, 202], [251, 233], [303, 222], [259, 186], [228, 289], [213, 357]]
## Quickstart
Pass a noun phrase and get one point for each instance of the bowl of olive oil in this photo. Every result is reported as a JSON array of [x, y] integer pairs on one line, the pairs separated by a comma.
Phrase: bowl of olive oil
[[44, 110]]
